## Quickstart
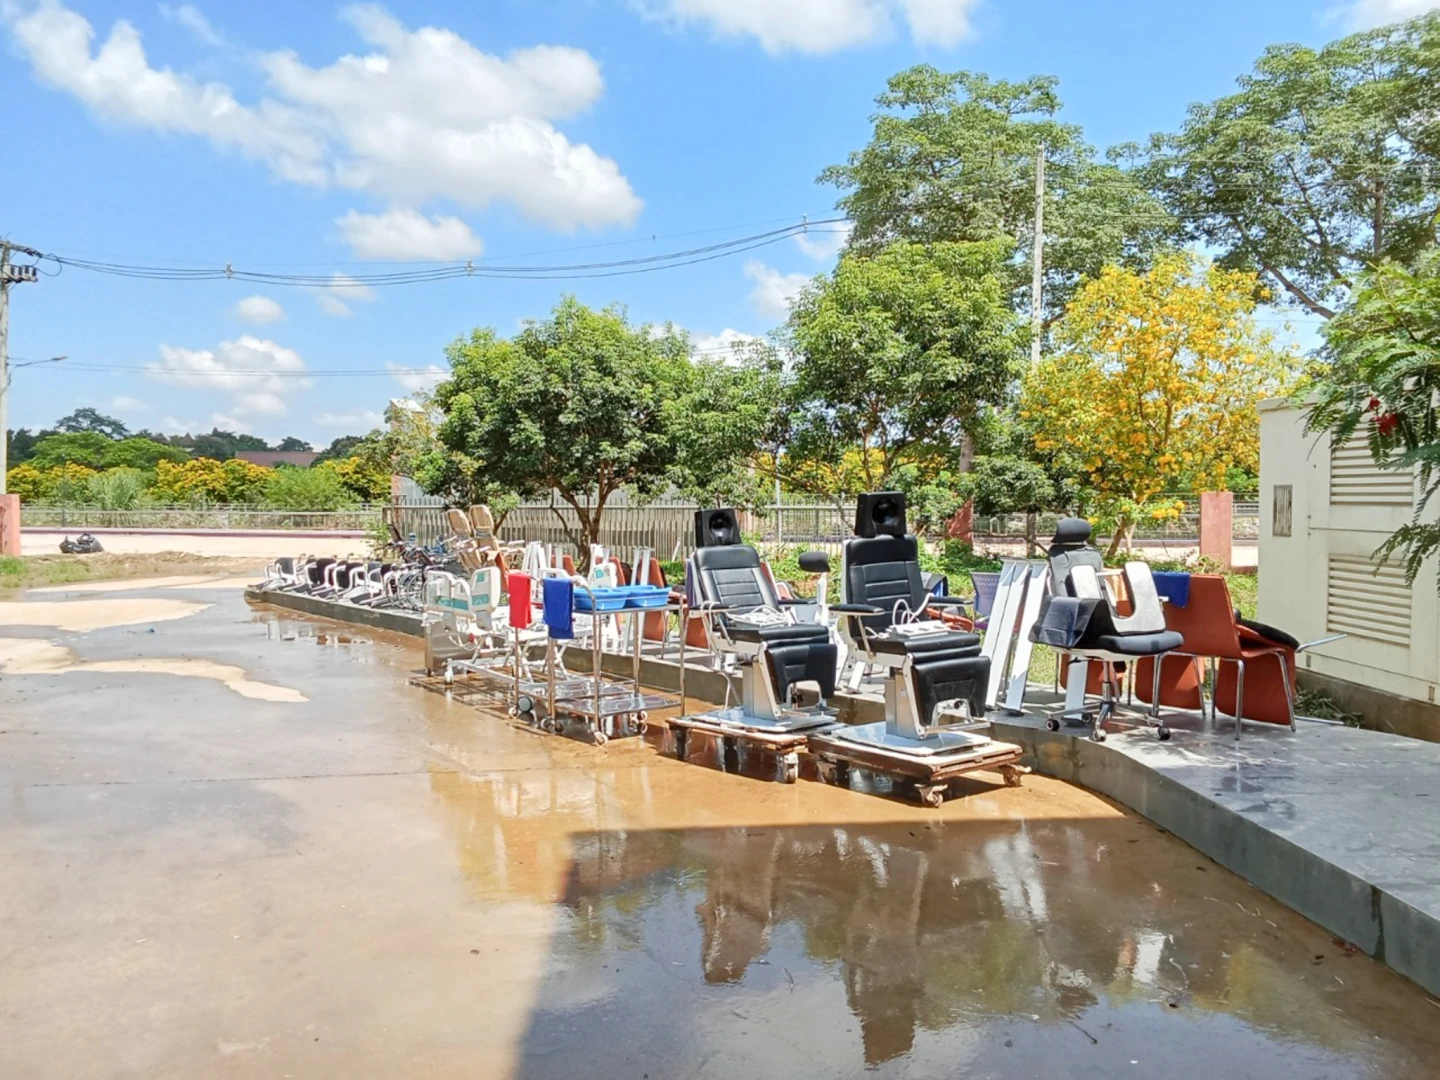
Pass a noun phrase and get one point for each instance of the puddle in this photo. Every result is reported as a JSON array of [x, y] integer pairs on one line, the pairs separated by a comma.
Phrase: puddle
[[24, 656], [86, 615]]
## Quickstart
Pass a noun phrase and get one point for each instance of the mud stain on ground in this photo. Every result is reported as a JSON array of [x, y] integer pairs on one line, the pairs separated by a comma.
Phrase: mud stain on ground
[[27, 656], [86, 615]]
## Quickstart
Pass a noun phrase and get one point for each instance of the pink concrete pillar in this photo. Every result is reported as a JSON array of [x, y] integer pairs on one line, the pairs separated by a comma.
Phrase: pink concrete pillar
[[1217, 529], [10, 525], [962, 525]]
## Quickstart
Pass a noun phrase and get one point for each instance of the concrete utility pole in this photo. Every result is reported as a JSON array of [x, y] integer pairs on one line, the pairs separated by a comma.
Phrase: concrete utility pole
[[9, 275], [1037, 282]]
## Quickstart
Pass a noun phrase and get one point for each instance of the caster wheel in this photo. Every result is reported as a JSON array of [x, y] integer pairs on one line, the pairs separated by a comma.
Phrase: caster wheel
[[526, 718], [1011, 775], [825, 772], [1162, 733], [789, 769], [449, 676], [682, 744], [525, 704], [641, 717], [601, 738], [1052, 724], [1097, 735], [641, 727], [932, 794]]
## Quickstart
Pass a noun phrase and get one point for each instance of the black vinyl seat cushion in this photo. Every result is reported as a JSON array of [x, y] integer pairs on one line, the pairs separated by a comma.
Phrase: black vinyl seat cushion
[[796, 634], [881, 570], [1138, 644], [806, 661], [953, 641]]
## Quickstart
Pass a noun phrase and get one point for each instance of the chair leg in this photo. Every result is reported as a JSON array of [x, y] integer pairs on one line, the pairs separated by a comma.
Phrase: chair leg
[[1289, 696], [1239, 696], [1155, 686]]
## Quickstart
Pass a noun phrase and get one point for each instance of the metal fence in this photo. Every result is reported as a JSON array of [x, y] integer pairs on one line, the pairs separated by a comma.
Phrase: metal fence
[[221, 518]]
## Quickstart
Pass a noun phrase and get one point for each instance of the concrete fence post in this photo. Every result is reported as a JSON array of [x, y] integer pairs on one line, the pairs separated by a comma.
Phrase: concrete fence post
[[1217, 526], [10, 525]]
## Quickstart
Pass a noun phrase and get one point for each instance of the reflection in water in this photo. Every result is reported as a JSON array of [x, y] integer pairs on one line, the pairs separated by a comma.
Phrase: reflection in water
[[915, 949]]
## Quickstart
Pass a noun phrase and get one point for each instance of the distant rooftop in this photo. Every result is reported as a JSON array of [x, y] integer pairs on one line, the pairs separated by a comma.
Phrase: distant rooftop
[[270, 458]]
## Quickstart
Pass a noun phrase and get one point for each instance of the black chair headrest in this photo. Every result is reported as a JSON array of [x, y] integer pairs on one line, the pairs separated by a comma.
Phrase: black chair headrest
[[1071, 532], [880, 513], [716, 528], [814, 562]]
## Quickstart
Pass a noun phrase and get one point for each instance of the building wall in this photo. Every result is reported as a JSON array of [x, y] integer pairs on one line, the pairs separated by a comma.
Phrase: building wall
[[1322, 578]]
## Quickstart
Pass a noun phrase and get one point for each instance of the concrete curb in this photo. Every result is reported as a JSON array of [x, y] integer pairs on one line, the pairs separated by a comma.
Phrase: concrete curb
[[1344, 903], [398, 622]]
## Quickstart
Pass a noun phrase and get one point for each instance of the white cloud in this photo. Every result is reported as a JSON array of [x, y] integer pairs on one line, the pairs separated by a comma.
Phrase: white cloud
[[773, 290], [343, 288], [126, 403], [360, 418], [191, 18], [1364, 14], [402, 234], [820, 26], [481, 124], [257, 373], [259, 310], [825, 242], [417, 379], [170, 426]]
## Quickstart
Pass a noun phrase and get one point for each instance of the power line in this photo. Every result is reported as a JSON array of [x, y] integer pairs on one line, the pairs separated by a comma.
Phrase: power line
[[451, 271]]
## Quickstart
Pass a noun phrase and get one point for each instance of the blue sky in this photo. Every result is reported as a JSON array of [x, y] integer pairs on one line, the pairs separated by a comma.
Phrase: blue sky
[[328, 139]]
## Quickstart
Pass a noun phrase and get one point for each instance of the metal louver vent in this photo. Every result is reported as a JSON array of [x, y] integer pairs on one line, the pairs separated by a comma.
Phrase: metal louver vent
[[1365, 600], [1355, 479]]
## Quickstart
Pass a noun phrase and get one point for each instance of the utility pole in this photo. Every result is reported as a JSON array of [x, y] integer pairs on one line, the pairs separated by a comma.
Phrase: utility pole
[[9, 275], [1037, 281]]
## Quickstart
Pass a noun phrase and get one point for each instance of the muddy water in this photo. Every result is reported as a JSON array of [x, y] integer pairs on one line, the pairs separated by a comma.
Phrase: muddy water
[[382, 881]]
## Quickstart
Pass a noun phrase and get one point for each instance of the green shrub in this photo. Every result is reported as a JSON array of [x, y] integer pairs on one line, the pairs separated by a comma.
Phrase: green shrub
[[307, 489], [117, 489]]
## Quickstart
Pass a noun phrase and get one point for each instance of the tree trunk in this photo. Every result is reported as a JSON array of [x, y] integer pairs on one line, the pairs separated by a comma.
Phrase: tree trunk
[[1123, 531], [1032, 522]]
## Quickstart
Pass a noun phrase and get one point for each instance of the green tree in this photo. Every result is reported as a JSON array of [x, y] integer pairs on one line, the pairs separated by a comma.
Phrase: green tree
[[338, 450], [1004, 484], [1383, 379], [573, 404], [290, 442], [88, 448], [952, 158], [289, 488], [221, 445], [91, 420], [1323, 161], [898, 355], [21, 444], [138, 453]]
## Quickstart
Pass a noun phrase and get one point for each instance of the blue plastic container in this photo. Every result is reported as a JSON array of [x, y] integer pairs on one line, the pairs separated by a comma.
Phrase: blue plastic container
[[646, 596], [605, 599]]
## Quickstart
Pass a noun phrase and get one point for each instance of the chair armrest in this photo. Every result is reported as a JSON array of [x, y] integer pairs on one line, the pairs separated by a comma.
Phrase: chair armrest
[[1319, 641], [791, 601], [856, 611], [947, 601]]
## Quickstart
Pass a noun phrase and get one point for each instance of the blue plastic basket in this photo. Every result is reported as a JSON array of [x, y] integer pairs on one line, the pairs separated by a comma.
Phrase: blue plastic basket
[[605, 599], [646, 596]]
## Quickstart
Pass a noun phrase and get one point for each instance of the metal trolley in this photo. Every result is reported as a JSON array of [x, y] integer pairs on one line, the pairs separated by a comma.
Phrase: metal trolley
[[601, 708]]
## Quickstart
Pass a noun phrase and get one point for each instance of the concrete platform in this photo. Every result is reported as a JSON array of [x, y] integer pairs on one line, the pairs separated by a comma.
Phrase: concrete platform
[[1340, 824]]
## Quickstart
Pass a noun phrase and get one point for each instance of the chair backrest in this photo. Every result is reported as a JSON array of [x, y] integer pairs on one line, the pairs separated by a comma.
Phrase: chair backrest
[[987, 584], [458, 522], [482, 526], [1069, 549], [1207, 621], [1146, 615], [881, 570], [733, 576]]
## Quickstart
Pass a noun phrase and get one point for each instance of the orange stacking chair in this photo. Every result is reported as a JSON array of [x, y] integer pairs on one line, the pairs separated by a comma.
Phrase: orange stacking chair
[[1255, 664]]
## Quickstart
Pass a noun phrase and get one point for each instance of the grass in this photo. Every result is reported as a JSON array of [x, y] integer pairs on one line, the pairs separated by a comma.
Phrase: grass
[[35, 571]]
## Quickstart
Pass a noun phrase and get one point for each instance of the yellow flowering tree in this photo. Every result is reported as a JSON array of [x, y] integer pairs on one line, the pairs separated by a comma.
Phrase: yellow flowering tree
[[207, 480], [26, 481], [362, 477], [1154, 385]]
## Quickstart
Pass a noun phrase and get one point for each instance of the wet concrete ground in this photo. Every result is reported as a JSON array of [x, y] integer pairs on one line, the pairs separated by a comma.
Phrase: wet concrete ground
[[380, 882]]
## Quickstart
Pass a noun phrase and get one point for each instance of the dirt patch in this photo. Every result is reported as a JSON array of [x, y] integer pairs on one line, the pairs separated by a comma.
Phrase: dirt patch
[[26, 656], [31, 571]]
